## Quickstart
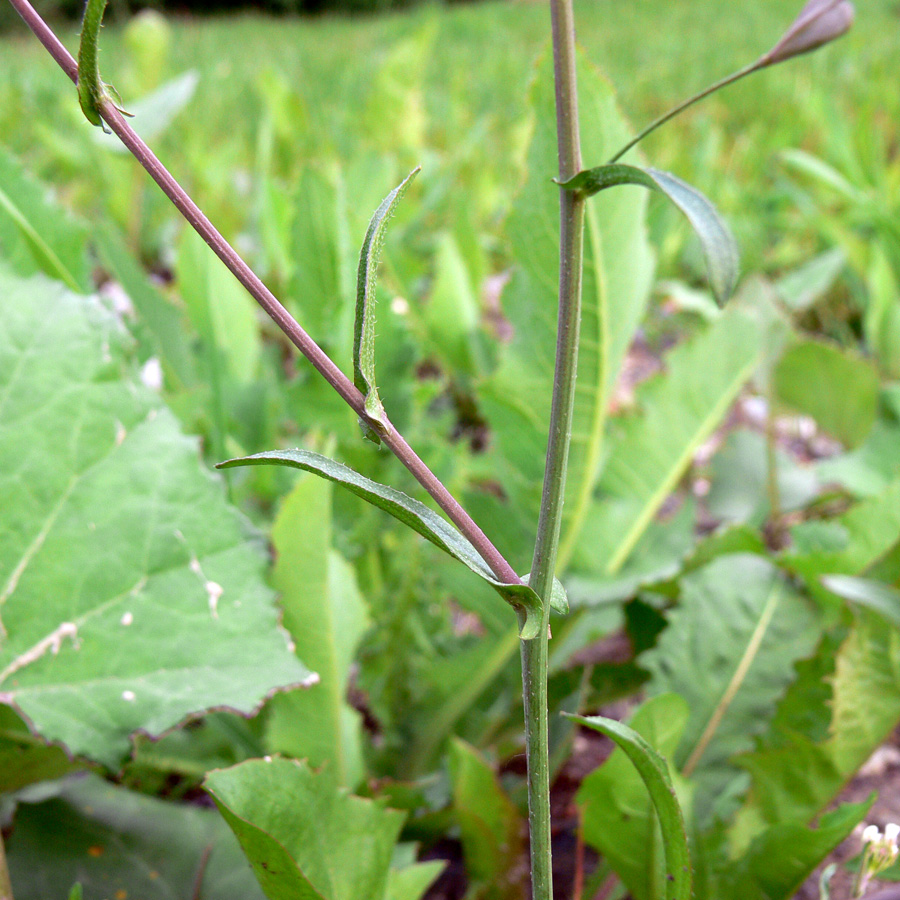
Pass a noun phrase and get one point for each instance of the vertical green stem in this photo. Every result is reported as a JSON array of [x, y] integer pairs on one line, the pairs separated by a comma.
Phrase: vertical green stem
[[534, 653], [5, 883]]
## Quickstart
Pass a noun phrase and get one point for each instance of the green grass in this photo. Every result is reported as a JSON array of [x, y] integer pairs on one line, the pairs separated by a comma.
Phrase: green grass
[[344, 90]]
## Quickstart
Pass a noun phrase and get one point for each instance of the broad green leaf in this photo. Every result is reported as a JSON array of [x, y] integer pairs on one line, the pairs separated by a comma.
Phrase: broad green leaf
[[718, 244], [837, 388], [874, 595], [304, 839], [412, 882], [364, 327], [869, 469], [36, 235], [848, 544], [151, 597], [490, 826], [651, 449], [618, 273], [326, 617], [154, 113], [118, 843], [415, 515], [786, 854], [625, 801], [729, 651], [25, 759]]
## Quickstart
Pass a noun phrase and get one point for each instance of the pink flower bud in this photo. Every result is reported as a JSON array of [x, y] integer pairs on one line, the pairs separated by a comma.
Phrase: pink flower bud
[[819, 22]]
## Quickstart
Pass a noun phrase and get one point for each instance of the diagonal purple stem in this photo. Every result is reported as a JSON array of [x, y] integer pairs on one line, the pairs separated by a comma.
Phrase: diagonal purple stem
[[267, 300]]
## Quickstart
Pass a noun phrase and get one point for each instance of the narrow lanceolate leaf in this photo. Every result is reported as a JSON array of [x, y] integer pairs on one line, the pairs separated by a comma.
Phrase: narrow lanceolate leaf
[[130, 595], [654, 771], [415, 515], [364, 328], [326, 617], [719, 246]]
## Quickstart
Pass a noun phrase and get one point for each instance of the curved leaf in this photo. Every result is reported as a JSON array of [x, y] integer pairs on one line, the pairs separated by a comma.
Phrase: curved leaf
[[416, 516], [719, 246], [364, 326], [655, 773], [877, 596]]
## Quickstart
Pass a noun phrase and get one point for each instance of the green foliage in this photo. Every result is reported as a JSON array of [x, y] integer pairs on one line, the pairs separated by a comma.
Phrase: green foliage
[[304, 840]]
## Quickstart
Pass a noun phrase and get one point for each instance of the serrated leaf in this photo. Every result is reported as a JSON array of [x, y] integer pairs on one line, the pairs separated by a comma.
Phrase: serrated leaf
[[304, 839], [490, 826], [118, 843], [36, 235], [616, 811], [719, 246], [326, 617], [130, 594], [617, 277], [729, 651], [364, 327], [415, 515]]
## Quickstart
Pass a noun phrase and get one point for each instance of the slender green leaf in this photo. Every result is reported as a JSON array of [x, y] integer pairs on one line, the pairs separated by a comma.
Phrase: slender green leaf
[[304, 839], [491, 827], [654, 772], [118, 843], [719, 245], [415, 515], [36, 235], [729, 651], [131, 593], [326, 617], [364, 328]]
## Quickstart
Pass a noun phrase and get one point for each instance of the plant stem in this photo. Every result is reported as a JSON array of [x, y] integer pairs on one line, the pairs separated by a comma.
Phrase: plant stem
[[5, 883], [681, 107], [534, 653], [264, 297]]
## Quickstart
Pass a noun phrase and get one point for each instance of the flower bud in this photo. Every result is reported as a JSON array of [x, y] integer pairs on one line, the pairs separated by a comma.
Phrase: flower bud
[[819, 22], [870, 834]]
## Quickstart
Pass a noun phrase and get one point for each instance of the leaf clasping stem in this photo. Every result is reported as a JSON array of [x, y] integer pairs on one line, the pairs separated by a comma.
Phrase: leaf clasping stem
[[270, 304], [92, 90]]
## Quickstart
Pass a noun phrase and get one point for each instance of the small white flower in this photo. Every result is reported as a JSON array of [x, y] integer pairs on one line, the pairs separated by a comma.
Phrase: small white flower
[[870, 834], [891, 833]]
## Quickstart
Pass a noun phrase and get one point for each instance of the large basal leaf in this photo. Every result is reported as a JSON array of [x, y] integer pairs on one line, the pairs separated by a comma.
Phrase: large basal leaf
[[629, 808], [304, 839], [618, 273], [420, 519], [719, 246], [650, 450], [490, 826], [35, 234], [130, 594], [119, 844], [729, 651], [326, 616]]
